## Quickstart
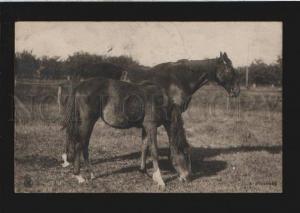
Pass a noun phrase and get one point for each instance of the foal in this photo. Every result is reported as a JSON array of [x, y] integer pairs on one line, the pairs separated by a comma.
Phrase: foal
[[124, 105]]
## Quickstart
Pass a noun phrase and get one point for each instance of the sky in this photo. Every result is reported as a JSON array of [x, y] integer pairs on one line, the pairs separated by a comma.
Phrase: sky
[[151, 43]]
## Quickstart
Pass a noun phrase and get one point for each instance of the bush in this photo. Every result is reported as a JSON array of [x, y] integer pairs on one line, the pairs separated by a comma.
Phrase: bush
[[86, 65], [78, 65], [261, 73]]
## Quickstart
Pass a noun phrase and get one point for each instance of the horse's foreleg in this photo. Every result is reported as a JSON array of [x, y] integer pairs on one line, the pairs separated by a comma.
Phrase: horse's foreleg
[[152, 137], [144, 151]]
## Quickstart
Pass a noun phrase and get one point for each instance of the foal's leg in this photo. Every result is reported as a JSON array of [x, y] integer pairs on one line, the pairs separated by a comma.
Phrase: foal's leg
[[144, 151], [152, 137]]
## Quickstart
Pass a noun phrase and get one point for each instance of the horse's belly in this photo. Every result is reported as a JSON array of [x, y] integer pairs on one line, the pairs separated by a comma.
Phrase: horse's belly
[[120, 117]]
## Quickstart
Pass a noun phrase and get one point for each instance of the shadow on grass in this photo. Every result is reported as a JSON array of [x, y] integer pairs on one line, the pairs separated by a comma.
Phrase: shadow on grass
[[38, 161], [200, 167]]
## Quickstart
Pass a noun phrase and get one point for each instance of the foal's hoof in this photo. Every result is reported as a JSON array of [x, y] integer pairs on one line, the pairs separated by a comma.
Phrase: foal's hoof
[[79, 178]]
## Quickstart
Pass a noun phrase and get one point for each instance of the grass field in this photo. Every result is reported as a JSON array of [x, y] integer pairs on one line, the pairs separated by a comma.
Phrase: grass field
[[237, 147]]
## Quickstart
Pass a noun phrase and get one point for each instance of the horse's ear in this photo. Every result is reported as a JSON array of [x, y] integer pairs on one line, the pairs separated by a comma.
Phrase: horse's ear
[[226, 58], [225, 55], [221, 55]]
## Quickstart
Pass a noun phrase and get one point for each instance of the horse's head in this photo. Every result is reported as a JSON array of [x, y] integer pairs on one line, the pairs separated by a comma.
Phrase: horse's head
[[226, 75]]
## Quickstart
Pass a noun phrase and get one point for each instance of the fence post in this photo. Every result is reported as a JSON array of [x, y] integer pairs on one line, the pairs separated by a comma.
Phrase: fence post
[[227, 104], [58, 98], [247, 77]]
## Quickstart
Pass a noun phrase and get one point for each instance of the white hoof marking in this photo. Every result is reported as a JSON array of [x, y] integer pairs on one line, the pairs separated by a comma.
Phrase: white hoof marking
[[92, 176], [79, 178], [66, 163], [157, 178]]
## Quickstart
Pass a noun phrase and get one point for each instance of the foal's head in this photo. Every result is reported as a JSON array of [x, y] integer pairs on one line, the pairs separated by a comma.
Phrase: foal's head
[[226, 75]]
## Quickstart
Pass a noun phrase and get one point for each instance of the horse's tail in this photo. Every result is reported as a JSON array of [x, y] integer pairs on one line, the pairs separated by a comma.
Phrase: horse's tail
[[69, 111], [178, 136], [70, 123]]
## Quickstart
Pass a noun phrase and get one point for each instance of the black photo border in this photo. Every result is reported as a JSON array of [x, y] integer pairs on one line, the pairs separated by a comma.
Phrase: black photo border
[[287, 12]]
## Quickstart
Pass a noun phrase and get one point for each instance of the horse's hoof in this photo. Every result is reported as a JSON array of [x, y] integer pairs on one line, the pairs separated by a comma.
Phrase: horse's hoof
[[158, 179], [184, 179], [162, 186], [79, 178], [92, 176], [143, 170], [65, 164]]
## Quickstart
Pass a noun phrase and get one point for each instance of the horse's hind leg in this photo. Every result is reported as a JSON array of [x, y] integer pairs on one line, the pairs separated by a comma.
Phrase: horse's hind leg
[[152, 137], [87, 161], [81, 146], [68, 156], [86, 132], [76, 172]]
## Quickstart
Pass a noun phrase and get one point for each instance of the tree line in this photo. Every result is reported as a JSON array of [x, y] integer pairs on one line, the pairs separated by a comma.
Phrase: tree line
[[83, 64]]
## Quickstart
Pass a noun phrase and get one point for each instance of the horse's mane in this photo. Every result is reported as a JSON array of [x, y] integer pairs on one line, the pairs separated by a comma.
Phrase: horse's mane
[[147, 83]]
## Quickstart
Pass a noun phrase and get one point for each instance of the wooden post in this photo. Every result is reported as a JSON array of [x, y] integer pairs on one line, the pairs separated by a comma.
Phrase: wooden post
[[227, 104], [247, 77], [58, 98]]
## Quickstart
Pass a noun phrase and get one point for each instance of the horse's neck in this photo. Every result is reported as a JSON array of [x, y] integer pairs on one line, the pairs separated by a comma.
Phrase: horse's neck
[[203, 73], [201, 81]]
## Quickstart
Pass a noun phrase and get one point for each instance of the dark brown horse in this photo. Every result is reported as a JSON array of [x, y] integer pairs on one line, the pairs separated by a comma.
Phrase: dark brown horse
[[124, 105], [181, 79]]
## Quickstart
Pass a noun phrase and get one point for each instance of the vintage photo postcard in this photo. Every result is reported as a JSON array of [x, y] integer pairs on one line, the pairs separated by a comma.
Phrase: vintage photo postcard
[[134, 106]]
